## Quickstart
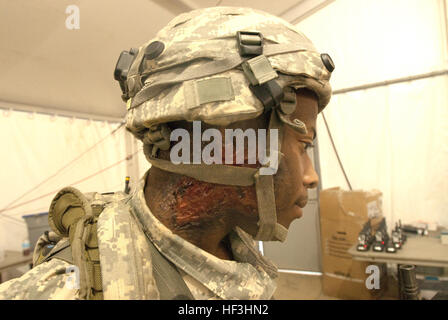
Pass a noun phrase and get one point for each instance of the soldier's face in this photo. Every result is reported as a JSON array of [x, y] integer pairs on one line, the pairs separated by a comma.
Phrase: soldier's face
[[296, 173]]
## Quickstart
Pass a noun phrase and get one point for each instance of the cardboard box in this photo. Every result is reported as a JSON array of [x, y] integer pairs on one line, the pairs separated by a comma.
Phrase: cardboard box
[[342, 216]]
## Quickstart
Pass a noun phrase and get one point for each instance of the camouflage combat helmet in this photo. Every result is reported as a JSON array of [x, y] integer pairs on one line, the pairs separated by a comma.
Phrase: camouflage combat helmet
[[221, 65]]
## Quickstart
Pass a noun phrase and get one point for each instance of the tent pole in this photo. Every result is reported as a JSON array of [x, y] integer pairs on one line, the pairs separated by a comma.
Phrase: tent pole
[[389, 82]]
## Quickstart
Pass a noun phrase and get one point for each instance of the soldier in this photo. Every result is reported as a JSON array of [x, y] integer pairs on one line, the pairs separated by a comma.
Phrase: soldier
[[187, 231]]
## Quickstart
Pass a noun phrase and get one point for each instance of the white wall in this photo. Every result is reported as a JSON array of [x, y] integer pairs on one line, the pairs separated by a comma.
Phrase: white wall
[[392, 138], [143, 164], [35, 147]]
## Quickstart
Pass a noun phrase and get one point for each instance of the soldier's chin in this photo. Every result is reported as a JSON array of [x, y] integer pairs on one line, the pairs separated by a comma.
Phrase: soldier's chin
[[286, 217]]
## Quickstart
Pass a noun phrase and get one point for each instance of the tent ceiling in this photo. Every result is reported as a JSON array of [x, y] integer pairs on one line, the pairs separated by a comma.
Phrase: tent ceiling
[[44, 64]]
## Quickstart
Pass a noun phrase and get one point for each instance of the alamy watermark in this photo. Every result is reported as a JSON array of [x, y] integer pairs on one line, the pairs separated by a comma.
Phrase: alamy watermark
[[373, 280], [73, 19], [233, 154]]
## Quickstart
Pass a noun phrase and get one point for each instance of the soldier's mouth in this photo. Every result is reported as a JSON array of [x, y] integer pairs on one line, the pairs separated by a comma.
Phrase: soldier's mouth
[[301, 202]]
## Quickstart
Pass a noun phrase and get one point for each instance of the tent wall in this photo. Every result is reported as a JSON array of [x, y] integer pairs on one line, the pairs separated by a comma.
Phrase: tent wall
[[395, 137], [36, 146]]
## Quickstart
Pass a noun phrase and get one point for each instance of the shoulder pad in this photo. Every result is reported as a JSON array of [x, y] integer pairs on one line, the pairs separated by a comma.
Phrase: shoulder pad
[[68, 205]]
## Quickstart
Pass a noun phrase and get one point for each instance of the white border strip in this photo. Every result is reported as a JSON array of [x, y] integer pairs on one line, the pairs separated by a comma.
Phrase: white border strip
[[343, 278], [306, 273], [260, 247]]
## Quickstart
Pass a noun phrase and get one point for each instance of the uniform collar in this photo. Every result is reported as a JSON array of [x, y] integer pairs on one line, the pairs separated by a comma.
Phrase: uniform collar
[[251, 276]]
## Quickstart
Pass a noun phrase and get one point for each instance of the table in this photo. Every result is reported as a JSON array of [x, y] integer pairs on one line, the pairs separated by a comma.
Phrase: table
[[417, 250], [14, 259]]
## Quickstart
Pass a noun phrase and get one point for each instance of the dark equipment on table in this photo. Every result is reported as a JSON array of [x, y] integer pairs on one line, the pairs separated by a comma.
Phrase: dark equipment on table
[[415, 230], [365, 238], [390, 246], [398, 238], [127, 189], [381, 236], [408, 286]]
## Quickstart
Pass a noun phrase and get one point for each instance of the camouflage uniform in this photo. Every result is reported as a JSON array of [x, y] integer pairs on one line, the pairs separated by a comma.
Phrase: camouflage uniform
[[195, 69], [124, 229], [46, 281]]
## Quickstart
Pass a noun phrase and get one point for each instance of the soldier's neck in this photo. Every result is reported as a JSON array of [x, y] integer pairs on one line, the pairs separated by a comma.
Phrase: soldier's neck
[[209, 234]]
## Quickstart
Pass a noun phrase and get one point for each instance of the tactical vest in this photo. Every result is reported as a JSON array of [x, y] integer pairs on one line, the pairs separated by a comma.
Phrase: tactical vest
[[73, 217]]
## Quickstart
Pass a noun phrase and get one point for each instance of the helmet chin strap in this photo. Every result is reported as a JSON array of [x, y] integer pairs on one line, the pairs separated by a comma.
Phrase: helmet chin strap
[[268, 228]]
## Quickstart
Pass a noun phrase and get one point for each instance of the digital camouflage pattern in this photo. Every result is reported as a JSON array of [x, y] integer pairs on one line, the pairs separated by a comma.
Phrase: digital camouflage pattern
[[251, 276], [206, 35], [124, 228], [47, 281], [126, 266], [126, 224]]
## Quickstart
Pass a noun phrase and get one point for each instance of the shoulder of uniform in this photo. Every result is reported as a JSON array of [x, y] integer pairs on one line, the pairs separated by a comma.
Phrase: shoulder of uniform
[[49, 280], [70, 204], [74, 215], [96, 198]]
